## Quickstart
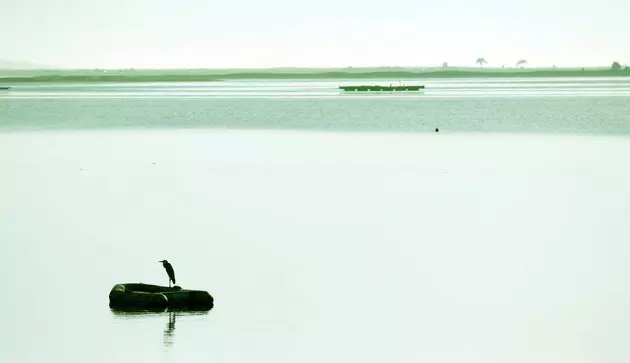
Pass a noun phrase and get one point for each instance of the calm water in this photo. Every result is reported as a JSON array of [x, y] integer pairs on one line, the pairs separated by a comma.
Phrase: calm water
[[566, 105], [501, 246]]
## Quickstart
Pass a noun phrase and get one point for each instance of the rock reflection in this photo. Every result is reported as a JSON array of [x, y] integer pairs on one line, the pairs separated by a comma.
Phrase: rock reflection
[[169, 331]]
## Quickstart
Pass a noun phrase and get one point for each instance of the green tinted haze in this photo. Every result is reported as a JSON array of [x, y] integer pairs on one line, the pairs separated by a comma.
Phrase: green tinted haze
[[322, 33]]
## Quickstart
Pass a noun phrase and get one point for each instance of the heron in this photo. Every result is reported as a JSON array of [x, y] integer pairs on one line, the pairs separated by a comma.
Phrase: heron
[[169, 270]]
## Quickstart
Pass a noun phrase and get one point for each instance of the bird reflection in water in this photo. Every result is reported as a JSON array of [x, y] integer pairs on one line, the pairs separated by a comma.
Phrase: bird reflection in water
[[169, 332]]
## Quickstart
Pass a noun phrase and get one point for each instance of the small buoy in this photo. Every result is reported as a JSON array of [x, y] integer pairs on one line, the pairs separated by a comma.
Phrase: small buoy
[[437, 130]]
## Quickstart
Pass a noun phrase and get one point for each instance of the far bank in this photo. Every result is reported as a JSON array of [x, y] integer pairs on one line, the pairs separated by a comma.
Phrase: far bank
[[9, 77]]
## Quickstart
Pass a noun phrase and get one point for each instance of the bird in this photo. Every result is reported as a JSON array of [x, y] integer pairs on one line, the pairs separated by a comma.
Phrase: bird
[[169, 270]]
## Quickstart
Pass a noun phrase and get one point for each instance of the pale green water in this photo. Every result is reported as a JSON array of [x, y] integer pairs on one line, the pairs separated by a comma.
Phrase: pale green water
[[566, 105], [317, 246]]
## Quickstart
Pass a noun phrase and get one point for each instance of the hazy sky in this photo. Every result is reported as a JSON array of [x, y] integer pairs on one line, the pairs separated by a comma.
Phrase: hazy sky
[[318, 33]]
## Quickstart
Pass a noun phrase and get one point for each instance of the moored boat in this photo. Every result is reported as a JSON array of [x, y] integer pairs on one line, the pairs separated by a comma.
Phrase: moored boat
[[4, 88], [380, 88], [145, 296]]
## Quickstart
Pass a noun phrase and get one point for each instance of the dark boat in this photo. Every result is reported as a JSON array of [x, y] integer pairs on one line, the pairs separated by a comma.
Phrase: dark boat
[[380, 88], [4, 88], [144, 296]]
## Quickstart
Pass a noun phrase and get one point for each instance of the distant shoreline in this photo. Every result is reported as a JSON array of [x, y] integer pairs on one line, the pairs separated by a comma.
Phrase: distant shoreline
[[210, 75]]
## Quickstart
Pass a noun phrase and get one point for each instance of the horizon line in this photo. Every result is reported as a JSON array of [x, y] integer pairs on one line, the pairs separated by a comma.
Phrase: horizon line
[[435, 67]]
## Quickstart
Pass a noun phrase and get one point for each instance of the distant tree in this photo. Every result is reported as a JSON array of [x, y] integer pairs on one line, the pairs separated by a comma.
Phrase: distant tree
[[445, 65], [481, 61], [521, 63], [615, 66]]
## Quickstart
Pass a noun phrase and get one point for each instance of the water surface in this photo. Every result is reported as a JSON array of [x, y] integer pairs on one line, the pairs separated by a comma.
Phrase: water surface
[[534, 105], [317, 246]]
